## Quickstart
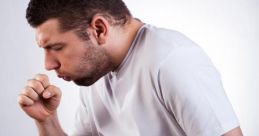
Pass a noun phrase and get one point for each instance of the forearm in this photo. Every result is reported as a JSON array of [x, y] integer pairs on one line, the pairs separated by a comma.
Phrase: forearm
[[234, 132], [50, 127]]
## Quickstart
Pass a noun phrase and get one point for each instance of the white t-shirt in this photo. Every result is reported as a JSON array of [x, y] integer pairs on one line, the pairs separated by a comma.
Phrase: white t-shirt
[[166, 86]]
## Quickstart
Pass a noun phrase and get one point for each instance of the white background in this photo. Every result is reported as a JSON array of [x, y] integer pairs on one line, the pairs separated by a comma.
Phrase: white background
[[228, 30]]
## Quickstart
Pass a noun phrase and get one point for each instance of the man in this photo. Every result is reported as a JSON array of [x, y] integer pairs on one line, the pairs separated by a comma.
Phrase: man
[[143, 80]]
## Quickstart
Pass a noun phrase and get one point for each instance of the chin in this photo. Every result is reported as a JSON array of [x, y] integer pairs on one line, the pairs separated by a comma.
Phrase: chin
[[84, 82]]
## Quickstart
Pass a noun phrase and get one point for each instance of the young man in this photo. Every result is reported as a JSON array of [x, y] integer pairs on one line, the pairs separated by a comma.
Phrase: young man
[[142, 80]]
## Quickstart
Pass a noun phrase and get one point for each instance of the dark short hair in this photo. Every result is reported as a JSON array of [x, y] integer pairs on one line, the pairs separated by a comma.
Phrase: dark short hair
[[76, 14]]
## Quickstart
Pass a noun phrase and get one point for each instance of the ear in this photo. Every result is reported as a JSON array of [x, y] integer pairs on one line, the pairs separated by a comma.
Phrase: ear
[[101, 28]]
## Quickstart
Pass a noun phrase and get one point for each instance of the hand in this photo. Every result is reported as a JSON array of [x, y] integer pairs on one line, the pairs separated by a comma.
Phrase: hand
[[39, 99]]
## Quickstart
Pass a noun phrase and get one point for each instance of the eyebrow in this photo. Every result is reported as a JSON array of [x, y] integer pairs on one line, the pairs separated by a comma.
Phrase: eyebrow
[[49, 46]]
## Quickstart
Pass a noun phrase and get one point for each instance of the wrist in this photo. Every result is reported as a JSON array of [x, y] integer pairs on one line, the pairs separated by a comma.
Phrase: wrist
[[50, 126], [49, 120]]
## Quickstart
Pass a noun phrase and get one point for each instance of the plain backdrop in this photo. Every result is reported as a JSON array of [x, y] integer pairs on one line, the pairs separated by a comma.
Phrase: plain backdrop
[[228, 30]]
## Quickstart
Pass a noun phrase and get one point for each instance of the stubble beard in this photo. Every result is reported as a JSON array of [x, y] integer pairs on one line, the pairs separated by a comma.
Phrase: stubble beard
[[94, 64]]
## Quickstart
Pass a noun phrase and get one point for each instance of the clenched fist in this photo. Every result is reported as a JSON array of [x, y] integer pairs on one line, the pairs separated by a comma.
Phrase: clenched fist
[[39, 99]]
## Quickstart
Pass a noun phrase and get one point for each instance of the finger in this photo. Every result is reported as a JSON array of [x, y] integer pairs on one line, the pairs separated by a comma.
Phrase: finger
[[24, 100], [51, 91], [29, 92], [43, 79], [35, 85]]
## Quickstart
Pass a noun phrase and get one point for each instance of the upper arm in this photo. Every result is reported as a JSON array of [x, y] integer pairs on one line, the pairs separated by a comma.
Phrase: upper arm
[[193, 93]]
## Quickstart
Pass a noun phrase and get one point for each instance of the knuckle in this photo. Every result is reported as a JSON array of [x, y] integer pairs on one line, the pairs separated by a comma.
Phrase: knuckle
[[28, 92], [34, 84], [25, 90], [29, 81], [41, 77], [20, 99]]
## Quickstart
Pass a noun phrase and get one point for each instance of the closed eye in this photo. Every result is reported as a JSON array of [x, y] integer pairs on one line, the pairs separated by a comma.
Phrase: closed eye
[[57, 47], [54, 47]]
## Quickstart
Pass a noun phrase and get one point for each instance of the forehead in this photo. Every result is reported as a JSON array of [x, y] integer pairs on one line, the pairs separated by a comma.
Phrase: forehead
[[47, 31]]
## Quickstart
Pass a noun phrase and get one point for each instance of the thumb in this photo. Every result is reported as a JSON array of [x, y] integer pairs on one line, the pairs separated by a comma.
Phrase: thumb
[[46, 95], [51, 91], [51, 97]]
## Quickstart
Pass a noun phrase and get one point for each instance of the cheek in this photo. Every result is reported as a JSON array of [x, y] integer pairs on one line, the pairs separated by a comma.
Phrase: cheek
[[79, 64], [69, 62], [84, 63], [82, 60]]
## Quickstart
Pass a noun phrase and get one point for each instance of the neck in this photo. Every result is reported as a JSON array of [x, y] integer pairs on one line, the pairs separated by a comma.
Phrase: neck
[[124, 37]]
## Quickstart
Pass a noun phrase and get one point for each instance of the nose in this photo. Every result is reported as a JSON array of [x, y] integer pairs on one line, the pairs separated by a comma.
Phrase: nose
[[51, 63]]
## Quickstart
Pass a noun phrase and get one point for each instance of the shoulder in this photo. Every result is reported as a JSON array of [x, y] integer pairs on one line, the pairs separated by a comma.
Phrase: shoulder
[[157, 45], [167, 37]]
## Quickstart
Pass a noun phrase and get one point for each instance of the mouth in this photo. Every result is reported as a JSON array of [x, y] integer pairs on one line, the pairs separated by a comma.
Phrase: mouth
[[66, 78]]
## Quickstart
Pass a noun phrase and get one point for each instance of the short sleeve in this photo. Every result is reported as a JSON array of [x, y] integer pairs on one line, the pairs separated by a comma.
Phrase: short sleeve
[[193, 93], [82, 124]]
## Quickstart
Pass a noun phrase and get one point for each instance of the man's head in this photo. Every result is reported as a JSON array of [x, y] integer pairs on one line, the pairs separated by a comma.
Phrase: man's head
[[78, 35], [76, 14]]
